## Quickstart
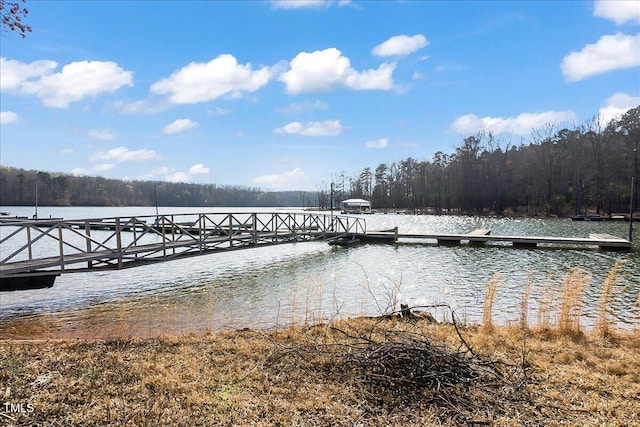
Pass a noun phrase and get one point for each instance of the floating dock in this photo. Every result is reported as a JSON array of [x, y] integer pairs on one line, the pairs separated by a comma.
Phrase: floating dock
[[484, 236]]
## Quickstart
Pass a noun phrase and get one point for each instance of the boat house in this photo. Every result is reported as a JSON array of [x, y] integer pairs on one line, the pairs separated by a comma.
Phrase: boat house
[[355, 206]]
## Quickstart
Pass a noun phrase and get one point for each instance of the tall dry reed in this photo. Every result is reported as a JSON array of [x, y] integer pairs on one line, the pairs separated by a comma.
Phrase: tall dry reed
[[524, 304], [603, 324], [571, 303], [545, 303], [489, 300]]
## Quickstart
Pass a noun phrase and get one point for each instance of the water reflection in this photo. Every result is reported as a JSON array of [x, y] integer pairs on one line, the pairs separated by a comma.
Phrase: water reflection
[[312, 282]]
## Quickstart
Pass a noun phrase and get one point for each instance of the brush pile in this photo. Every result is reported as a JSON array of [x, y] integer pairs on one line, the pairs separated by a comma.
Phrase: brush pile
[[398, 368], [408, 368]]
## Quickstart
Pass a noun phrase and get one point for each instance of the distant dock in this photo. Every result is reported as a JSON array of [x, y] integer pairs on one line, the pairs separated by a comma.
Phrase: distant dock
[[484, 236]]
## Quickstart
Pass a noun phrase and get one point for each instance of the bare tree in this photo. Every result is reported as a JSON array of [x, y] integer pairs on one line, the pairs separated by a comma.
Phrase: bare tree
[[11, 15]]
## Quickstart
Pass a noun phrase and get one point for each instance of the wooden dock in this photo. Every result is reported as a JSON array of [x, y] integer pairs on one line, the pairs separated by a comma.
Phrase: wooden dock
[[33, 248], [483, 236], [30, 248]]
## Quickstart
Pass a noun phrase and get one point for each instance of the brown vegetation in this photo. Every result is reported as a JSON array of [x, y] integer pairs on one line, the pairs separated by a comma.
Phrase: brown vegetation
[[355, 372], [396, 369]]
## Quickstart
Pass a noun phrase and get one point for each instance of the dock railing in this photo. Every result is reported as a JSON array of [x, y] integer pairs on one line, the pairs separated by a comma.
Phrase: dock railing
[[118, 242]]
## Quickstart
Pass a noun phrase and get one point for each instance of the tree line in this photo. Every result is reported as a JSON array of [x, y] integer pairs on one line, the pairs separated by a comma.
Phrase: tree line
[[18, 187], [558, 172]]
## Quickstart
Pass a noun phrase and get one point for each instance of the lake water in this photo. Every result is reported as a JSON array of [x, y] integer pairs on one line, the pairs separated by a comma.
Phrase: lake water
[[311, 282]]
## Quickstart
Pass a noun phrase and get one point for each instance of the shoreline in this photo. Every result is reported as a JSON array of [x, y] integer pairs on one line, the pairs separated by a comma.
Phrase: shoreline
[[312, 375]]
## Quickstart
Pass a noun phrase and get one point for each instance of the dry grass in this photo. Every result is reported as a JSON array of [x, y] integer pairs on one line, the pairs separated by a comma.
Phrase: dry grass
[[603, 325], [524, 305], [545, 304], [637, 305], [571, 302], [299, 376], [489, 299]]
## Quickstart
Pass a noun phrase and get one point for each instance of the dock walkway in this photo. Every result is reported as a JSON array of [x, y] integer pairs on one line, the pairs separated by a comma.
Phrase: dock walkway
[[35, 248], [483, 236], [30, 248]]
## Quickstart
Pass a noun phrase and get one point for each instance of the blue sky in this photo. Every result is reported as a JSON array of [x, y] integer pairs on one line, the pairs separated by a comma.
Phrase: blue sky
[[286, 95]]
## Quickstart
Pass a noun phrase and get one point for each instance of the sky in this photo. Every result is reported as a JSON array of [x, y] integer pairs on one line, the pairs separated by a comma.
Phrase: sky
[[288, 95]]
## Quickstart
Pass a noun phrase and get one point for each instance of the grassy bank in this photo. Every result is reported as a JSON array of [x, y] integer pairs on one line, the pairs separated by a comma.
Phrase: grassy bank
[[354, 372], [399, 369]]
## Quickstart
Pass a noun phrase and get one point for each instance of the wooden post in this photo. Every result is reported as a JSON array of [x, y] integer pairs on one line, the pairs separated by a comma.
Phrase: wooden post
[[61, 246], [201, 232], [119, 242], [29, 241], [632, 202], [254, 228], [87, 232], [164, 239], [274, 222], [134, 225], [173, 233]]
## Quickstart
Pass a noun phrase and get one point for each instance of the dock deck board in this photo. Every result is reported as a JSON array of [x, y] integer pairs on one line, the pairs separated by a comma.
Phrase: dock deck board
[[605, 241]]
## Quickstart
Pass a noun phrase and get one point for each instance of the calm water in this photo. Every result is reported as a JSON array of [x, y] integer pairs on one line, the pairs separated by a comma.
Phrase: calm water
[[313, 282]]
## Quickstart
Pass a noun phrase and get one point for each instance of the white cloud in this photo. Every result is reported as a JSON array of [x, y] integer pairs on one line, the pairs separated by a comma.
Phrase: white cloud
[[177, 177], [325, 128], [7, 117], [303, 107], [298, 4], [198, 169], [96, 169], [290, 180], [76, 81], [79, 172], [326, 70], [146, 106], [308, 4], [14, 73], [123, 154], [523, 124], [203, 82], [378, 143], [400, 45], [162, 171], [611, 52], [179, 125], [103, 167], [66, 150], [619, 12], [104, 135], [617, 105], [172, 175]]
